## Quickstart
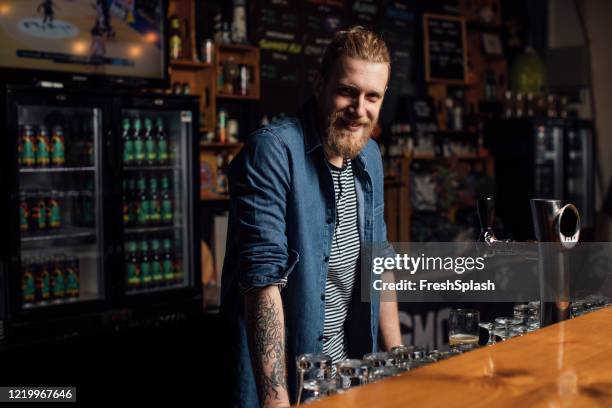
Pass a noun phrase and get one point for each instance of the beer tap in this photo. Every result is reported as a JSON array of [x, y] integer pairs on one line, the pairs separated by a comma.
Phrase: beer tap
[[558, 224]]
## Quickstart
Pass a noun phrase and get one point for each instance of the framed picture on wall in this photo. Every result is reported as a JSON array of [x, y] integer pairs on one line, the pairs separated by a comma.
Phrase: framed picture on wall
[[491, 44]]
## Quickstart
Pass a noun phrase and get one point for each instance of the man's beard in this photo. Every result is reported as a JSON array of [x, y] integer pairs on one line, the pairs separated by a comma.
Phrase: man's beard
[[341, 141]]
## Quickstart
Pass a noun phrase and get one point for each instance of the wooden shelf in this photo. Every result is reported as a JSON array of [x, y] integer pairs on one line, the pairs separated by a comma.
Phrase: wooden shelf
[[206, 129], [238, 47], [217, 145], [192, 65], [242, 97], [214, 197]]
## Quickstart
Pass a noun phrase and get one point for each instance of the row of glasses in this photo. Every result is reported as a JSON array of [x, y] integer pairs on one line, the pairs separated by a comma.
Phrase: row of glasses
[[318, 379]]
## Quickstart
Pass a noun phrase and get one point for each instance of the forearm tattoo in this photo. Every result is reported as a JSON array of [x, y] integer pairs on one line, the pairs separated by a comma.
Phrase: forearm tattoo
[[267, 347]]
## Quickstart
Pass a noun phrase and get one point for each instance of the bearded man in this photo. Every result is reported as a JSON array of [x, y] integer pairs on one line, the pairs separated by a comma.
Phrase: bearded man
[[306, 199]]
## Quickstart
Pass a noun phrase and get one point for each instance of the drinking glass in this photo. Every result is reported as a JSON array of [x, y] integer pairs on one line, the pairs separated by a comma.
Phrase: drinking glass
[[320, 388], [350, 373], [402, 355], [489, 328], [503, 327], [310, 368], [463, 327]]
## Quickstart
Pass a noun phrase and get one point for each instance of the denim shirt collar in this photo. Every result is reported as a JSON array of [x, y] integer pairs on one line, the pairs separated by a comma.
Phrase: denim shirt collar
[[312, 135]]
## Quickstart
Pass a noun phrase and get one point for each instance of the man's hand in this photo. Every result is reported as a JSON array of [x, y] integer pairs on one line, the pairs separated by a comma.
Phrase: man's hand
[[266, 334]]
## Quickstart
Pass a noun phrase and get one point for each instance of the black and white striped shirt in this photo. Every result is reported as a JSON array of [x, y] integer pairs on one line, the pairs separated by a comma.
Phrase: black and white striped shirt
[[343, 261]]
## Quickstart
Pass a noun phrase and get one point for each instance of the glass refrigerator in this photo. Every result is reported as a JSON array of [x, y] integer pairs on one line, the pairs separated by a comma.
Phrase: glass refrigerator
[[100, 191]]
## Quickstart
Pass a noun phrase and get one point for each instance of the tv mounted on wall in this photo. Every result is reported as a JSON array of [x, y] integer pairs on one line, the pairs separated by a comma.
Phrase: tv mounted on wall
[[121, 41]]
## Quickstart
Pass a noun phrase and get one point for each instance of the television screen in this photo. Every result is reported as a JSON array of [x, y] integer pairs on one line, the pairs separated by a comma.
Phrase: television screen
[[118, 38]]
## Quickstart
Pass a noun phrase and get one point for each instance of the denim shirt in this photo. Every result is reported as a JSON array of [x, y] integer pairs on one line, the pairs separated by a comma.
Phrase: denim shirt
[[281, 221]]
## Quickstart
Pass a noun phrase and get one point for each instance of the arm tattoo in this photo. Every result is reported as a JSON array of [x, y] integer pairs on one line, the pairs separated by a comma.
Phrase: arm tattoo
[[267, 347]]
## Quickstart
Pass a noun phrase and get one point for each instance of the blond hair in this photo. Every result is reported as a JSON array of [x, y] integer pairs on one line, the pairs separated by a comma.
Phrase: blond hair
[[356, 42]]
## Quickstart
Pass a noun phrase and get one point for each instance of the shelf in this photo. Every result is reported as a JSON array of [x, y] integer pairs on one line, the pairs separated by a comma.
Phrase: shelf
[[142, 230], [237, 47], [206, 129], [57, 169], [217, 145], [48, 235], [191, 65], [238, 97], [141, 291], [141, 168], [215, 197]]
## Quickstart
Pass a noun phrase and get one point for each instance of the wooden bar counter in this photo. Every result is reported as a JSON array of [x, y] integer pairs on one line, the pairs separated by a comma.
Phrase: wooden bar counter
[[564, 365]]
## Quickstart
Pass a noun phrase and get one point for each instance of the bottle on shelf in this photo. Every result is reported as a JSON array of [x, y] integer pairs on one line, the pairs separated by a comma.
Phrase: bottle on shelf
[[42, 147], [42, 279], [54, 210], [178, 261], [27, 147], [176, 39], [154, 202], [139, 142], [132, 265], [24, 212], [73, 278], [167, 211], [58, 280], [156, 263], [28, 288], [141, 204], [145, 264], [128, 143], [58, 149], [151, 145], [162, 142], [126, 200], [167, 261]]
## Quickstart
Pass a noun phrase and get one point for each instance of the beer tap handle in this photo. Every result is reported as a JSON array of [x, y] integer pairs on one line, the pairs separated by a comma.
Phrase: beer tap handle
[[486, 215]]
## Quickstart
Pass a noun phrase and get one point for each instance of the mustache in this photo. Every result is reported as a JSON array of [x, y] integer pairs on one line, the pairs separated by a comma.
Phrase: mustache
[[339, 117]]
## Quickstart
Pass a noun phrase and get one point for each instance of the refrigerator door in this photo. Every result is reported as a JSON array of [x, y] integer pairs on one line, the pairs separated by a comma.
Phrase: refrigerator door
[[157, 200], [58, 259]]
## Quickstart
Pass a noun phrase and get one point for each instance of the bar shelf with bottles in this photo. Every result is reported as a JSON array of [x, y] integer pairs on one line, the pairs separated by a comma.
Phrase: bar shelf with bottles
[[58, 185]]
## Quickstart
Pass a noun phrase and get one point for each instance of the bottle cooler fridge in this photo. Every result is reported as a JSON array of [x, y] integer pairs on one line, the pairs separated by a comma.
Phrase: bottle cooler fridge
[[99, 194]]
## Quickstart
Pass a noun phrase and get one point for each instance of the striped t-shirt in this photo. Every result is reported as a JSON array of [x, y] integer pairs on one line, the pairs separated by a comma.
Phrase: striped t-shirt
[[343, 261]]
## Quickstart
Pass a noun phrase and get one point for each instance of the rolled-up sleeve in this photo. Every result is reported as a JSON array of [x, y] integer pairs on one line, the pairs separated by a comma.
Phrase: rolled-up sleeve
[[259, 187]]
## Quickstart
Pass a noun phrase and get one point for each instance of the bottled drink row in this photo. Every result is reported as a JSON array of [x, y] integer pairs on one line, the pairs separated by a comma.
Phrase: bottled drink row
[[145, 145], [147, 201], [50, 279], [38, 149], [152, 263], [42, 210]]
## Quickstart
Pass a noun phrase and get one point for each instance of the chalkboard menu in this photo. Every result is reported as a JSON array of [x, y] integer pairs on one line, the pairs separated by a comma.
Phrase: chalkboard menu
[[445, 49], [292, 36]]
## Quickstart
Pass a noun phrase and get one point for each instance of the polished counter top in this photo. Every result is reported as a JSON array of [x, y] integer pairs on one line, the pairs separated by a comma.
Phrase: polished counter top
[[568, 364]]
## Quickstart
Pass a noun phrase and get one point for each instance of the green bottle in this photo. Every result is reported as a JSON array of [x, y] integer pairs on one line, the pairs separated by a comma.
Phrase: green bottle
[[150, 143], [42, 210], [143, 214], [132, 265], [54, 209], [145, 264], [156, 263], [27, 147], [58, 153], [139, 147], [162, 142], [167, 213], [167, 261], [128, 143], [154, 202], [42, 147]]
